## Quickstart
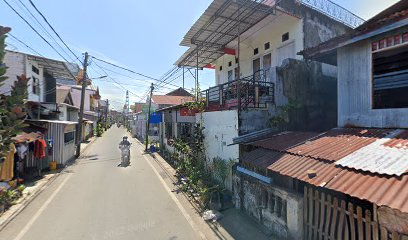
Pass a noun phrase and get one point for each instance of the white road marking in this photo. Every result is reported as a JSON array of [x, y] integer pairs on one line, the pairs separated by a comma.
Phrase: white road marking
[[183, 211], [42, 208]]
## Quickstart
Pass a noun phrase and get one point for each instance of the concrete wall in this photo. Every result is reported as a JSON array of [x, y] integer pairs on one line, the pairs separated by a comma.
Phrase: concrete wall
[[252, 120], [219, 129], [314, 93], [319, 28], [311, 86], [355, 91], [255, 199]]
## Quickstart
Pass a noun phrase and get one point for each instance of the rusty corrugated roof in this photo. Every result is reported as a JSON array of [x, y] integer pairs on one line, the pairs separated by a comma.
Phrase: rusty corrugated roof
[[400, 141], [284, 140], [320, 154], [338, 143], [379, 189]]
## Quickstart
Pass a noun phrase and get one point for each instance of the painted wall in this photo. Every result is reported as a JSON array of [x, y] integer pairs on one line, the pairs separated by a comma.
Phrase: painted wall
[[355, 91], [15, 63], [76, 98], [269, 30], [220, 128]]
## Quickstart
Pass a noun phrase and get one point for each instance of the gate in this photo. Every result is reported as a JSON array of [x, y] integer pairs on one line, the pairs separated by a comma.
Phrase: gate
[[325, 217]]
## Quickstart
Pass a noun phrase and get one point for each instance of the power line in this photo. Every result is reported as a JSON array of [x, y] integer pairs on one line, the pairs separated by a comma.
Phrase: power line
[[115, 80], [31, 15], [35, 30], [112, 64], [52, 28]]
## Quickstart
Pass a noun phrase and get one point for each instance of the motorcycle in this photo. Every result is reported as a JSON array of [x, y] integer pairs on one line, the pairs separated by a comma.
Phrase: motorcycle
[[125, 155]]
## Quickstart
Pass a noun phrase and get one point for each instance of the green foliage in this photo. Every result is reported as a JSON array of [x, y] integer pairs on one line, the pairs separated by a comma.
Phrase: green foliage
[[196, 105], [220, 169], [11, 106], [99, 130], [282, 115]]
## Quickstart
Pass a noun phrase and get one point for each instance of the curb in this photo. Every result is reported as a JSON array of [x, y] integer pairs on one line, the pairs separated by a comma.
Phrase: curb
[[29, 198]]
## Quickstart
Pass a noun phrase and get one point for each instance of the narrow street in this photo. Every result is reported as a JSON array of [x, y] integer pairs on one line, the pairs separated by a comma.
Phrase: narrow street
[[97, 199]]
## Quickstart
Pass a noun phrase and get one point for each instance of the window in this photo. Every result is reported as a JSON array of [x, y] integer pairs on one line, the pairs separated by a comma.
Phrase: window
[[69, 137], [285, 37], [220, 68], [35, 86], [256, 51], [230, 76], [35, 70], [390, 76], [229, 64], [267, 46]]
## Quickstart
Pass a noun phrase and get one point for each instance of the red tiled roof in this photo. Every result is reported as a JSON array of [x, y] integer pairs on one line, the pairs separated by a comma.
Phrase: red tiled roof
[[171, 100]]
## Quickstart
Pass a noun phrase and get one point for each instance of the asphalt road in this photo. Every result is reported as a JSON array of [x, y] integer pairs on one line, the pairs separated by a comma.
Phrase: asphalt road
[[97, 199]]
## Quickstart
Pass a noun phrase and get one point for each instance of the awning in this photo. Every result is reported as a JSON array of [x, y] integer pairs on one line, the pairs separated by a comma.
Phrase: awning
[[220, 24], [57, 69]]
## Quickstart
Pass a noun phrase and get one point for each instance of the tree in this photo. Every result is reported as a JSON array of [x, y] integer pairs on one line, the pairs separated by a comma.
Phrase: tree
[[12, 112]]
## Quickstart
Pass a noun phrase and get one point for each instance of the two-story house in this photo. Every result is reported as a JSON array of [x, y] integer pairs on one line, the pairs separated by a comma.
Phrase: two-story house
[[260, 80], [348, 182], [43, 101]]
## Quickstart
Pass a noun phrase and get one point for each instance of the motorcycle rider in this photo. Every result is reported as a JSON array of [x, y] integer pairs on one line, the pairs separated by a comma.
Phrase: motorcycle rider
[[124, 145]]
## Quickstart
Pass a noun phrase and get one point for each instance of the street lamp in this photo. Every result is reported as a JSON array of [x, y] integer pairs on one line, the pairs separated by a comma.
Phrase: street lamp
[[99, 77]]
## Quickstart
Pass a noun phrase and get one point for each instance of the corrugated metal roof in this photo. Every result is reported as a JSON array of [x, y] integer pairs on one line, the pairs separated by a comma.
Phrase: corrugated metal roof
[[298, 167], [254, 136], [218, 26], [338, 143], [379, 189], [285, 140], [377, 158], [400, 141], [320, 155]]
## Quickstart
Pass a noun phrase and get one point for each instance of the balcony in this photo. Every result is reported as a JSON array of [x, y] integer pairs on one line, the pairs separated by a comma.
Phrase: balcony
[[254, 91]]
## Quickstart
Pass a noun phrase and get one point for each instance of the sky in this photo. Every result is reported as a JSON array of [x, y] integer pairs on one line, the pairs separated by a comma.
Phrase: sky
[[141, 35]]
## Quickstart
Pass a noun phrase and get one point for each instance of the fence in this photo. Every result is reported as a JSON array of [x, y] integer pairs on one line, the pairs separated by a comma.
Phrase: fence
[[328, 218]]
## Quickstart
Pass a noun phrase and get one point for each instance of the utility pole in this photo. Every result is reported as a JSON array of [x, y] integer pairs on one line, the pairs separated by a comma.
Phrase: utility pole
[[183, 77], [81, 109], [148, 118], [106, 112]]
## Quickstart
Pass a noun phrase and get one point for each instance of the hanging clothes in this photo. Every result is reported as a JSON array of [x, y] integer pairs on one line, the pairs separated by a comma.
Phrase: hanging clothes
[[39, 149], [22, 150], [7, 168]]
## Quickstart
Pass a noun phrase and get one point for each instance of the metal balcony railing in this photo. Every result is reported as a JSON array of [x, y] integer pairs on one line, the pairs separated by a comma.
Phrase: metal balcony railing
[[250, 92]]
